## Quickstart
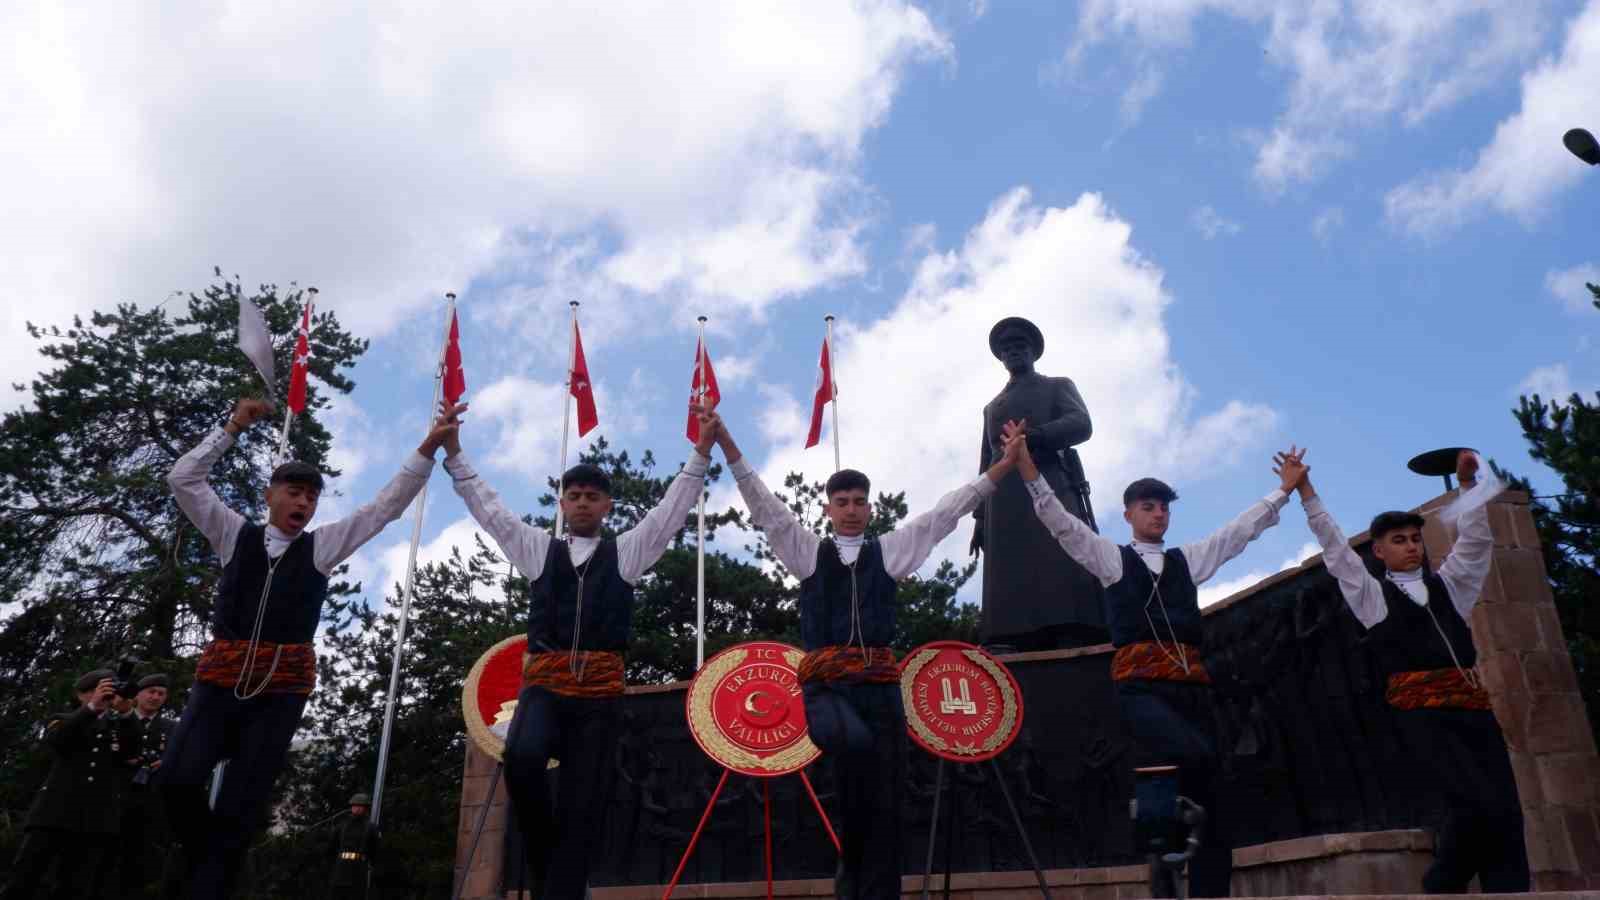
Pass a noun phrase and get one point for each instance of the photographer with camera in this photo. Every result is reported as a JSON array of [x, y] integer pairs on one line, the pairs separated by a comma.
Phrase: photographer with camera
[[143, 831], [74, 818]]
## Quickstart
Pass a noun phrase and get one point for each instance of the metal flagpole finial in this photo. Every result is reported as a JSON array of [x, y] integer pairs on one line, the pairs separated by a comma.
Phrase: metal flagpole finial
[[450, 295], [312, 291], [572, 303], [828, 317], [700, 319]]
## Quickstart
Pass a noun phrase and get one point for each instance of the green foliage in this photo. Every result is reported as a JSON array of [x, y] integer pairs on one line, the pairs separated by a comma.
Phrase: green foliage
[[95, 557], [1565, 435]]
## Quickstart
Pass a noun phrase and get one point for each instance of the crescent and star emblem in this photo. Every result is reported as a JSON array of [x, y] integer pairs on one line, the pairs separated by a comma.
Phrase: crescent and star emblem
[[750, 705]]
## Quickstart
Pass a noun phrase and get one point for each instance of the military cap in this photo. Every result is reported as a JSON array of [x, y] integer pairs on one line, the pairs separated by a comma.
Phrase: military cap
[[361, 800], [88, 680], [1035, 336], [157, 679]]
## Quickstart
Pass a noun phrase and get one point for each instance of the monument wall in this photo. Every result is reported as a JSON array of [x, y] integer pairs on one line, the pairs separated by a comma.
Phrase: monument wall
[[1308, 745]]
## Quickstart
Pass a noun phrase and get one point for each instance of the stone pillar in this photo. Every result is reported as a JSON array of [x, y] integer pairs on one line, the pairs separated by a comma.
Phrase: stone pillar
[[484, 876], [1522, 655]]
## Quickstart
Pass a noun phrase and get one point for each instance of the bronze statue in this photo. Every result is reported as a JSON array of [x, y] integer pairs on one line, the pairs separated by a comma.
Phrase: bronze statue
[[1035, 597]]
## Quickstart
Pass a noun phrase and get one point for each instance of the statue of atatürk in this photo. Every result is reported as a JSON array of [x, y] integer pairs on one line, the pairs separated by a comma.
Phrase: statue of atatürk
[[1035, 597]]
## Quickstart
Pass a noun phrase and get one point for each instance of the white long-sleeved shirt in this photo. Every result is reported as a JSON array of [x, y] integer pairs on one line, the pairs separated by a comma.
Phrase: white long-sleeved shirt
[[1463, 571], [1103, 556], [336, 541], [638, 548], [905, 549]]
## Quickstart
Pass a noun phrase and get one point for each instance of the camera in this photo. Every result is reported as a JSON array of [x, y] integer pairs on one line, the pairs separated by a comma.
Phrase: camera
[[124, 683]]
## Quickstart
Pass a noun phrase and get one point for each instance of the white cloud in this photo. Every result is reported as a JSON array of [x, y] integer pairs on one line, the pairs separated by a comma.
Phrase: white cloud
[[1212, 591], [384, 571], [1552, 382], [390, 155], [912, 383], [1211, 224], [1351, 65], [1327, 222], [1524, 165], [1570, 286]]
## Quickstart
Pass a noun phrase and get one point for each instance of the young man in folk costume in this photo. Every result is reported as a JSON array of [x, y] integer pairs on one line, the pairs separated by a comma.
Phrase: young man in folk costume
[[847, 622], [579, 619], [1417, 624], [254, 678], [1153, 612]]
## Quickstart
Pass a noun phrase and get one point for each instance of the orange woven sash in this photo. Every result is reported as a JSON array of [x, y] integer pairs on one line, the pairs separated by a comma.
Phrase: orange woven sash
[[1435, 689], [223, 662], [598, 672], [848, 663], [1154, 661]]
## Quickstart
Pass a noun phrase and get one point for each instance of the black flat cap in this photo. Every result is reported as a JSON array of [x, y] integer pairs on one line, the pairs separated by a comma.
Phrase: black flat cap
[[88, 680], [156, 680]]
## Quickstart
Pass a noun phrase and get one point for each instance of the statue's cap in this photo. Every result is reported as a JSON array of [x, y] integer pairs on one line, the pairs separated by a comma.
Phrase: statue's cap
[[1032, 330], [297, 472]]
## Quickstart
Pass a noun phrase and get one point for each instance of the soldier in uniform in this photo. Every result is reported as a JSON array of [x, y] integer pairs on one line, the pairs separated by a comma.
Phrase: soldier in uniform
[[355, 841], [73, 822], [143, 833], [1035, 595]]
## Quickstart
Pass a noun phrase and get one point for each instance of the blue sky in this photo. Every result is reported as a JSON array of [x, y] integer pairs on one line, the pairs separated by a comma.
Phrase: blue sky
[[1240, 224]]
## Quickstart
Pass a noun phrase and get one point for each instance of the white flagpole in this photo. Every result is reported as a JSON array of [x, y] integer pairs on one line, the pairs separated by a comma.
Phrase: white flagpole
[[288, 414], [833, 384], [419, 507], [700, 563], [566, 414]]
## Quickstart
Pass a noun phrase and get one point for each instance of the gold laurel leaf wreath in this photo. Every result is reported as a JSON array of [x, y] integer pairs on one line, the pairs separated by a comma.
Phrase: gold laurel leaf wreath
[[477, 729], [717, 745], [1008, 703]]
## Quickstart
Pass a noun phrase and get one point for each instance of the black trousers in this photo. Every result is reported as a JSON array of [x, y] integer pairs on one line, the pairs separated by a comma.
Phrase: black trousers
[[862, 729], [79, 860], [253, 736], [1172, 723], [561, 839], [1461, 755]]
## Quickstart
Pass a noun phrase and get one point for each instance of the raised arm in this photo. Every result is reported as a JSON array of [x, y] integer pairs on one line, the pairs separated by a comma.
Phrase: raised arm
[[906, 548], [1361, 591], [985, 456], [523, 544], [1206, 556], [792, 543], [1099, 555], [195, 496], [1467, 566], [639, 547]]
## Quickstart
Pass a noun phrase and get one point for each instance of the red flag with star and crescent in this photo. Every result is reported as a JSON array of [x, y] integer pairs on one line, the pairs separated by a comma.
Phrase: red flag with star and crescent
[[455, 378], [701, 393], [581, 388], [302, 355], [827, 391]]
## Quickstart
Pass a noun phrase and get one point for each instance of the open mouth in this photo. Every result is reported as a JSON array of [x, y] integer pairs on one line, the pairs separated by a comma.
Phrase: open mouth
[[297, 519]]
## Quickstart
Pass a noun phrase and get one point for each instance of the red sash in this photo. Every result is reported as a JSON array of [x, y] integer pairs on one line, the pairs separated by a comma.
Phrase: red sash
[[848, 663], [1435, 689], [293, 667], [1154, 661], [599, 672]]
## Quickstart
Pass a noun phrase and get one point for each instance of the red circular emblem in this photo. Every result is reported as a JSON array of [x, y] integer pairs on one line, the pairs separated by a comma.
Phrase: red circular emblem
[[746, 712], [489, 697], [961, 703]]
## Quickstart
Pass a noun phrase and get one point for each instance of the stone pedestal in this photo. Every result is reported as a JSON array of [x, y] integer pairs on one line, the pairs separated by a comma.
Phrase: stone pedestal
[[484, 874], [1523, 657]]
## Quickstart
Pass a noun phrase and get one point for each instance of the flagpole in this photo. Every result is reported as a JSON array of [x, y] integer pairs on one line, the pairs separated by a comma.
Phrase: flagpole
[[419, 506], [566, 415], [833, 384], [288, 413], [700, 527]]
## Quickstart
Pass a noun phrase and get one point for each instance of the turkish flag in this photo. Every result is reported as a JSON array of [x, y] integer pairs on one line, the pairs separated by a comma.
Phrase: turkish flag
[[579, 385], [826, 392], [702, 389], [455, 380], [302, 354]]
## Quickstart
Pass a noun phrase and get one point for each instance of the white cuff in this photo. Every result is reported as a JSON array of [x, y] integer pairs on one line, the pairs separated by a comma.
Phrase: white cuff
[[1038, 488], [741, 468], [697, 464], [419, 465], [458, 468], [984, 487], [1313, 505], [1278, 499]]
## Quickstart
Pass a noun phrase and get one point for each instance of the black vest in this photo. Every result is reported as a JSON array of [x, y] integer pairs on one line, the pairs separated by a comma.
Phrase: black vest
[[1407, 641], [294, 603], [1126, 599], [607, 602], [825, 617]]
